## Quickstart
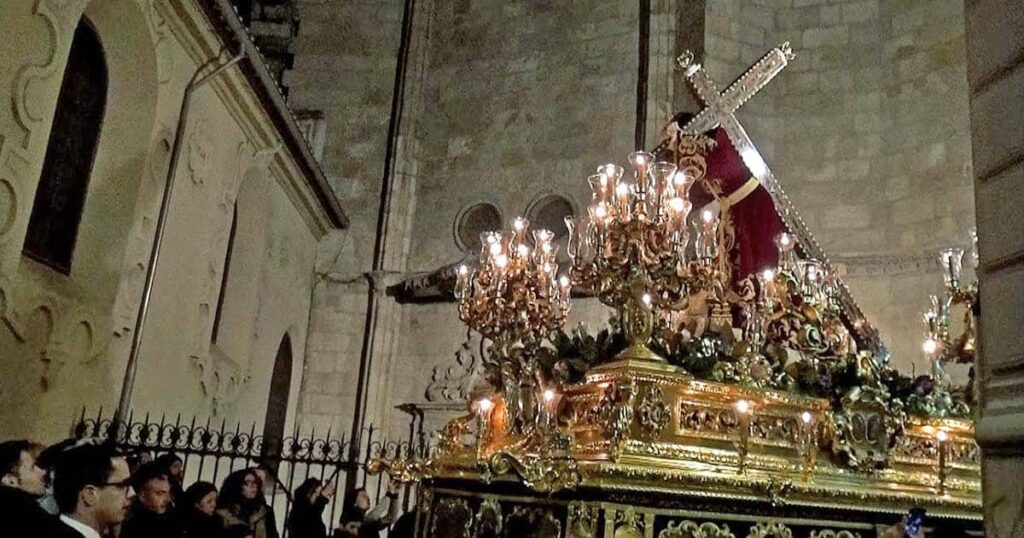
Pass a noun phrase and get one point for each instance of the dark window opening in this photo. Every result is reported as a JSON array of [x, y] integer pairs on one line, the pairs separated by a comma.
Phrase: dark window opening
[[70, 153], [224, 276]]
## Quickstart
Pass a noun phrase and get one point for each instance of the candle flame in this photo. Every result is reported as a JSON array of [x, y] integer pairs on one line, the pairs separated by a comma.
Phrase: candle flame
[[743, 406]]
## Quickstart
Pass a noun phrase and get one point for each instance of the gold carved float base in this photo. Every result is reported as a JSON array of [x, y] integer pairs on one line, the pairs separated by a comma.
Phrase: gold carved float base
[[648, 451]]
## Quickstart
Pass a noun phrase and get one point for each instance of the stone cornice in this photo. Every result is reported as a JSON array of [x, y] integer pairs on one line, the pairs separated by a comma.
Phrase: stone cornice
[[204, 28], [887, 264]]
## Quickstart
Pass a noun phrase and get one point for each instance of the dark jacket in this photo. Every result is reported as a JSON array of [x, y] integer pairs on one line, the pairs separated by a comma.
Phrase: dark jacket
[[198, 525], [20, 510], [144, 523], [261, 521], [306, 519]]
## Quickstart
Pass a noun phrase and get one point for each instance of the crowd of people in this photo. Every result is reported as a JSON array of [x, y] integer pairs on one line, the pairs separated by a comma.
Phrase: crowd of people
[[80, 489]]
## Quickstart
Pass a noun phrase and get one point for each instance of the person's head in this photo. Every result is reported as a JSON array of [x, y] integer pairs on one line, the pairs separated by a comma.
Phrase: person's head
[[349, 524], [18, 468], [152, 487], [201, 497], [308, 491], [241, 487], [360, 499], [92, 484], [267, 478], [172, 466]]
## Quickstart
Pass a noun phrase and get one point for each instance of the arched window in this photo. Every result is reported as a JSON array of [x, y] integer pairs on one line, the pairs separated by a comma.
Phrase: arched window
[[277, 402], [57, 209], [471, 221], [224, 276]]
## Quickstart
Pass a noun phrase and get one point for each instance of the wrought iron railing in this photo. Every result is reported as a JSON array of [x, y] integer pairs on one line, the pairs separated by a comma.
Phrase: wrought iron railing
[[210, 451]]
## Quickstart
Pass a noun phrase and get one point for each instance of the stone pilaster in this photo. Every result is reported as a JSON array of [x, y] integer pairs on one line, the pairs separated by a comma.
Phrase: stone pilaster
[[995, 60]]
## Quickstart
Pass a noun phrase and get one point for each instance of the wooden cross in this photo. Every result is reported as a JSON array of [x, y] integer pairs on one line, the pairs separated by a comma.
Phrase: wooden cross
[[720, 110]]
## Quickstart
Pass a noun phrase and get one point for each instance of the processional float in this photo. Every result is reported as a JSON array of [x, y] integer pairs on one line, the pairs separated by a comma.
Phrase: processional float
[[721, 404]]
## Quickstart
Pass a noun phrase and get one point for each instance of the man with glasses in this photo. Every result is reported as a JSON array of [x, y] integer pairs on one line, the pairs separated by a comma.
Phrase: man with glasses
[[92, 486]]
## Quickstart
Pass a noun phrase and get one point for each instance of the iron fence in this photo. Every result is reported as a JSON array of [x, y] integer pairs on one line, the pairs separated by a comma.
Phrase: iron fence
[[210, 451]]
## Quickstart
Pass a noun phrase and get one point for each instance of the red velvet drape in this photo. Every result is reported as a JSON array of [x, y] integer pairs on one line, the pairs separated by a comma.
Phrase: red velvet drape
[[754, 217]]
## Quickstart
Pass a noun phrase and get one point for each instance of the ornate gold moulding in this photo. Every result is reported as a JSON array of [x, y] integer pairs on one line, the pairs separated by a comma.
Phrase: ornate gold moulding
[[639, 426]]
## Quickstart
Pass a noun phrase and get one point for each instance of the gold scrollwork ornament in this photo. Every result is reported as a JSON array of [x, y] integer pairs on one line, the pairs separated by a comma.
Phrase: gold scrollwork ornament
[[488, 520], [829, 533], [652, 414], [629, 524], [769, 529], [690, 529], [581, 521]]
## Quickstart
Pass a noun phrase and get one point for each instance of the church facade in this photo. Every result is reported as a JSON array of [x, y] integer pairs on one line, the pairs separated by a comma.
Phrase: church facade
[[82, 176]]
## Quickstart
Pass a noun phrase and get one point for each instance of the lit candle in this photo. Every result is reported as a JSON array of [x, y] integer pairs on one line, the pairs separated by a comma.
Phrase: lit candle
[[599, 186], [785, 244], [519, 226], [707, 236], [681, 184], [641, 161], [487, 240], [622, 192], [952, 263], [483, 416], [462, 282], [663, 172], [612, 173], [743, 407], [767, 281], [522, 251]]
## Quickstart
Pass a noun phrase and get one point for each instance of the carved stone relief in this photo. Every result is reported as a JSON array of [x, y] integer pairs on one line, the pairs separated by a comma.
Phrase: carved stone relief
[[453, 383], [50, 332], [158, 27], [140, 239], [61, 17], [222, 377], [198, 144]]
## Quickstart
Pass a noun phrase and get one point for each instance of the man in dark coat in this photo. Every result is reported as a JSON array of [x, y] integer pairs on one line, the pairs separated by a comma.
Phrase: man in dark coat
[[21, 485], [151, 516]]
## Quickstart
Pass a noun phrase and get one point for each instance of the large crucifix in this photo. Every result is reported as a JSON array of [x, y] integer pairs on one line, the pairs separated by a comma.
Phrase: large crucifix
[[720, 111]]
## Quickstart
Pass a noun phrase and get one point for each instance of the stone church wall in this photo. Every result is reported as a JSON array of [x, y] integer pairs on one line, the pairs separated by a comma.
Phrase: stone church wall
[[65, 339], [345, 67]]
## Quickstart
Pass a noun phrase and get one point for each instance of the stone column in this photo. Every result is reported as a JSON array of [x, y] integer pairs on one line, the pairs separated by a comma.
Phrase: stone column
[[995, 70]]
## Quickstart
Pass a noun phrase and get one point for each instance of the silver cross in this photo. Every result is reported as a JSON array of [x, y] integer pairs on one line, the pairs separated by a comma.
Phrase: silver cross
[[720, 110]]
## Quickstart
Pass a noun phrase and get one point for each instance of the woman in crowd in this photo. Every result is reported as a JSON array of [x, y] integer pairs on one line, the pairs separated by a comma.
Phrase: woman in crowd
[[306, 519], [241, 505], [374, 520], [174, 469], [198, 509]]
